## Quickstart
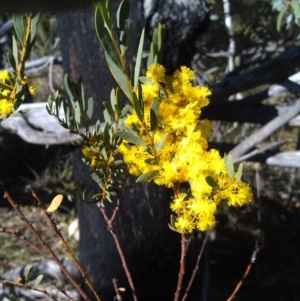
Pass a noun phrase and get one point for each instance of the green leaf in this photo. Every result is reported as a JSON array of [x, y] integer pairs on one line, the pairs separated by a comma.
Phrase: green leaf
[[34, 22], [90, 108], [11, 60], [123, 14], [105, 38], [96, 178], [151, 161], [145, 80], [230, 165], [38, 280], [172, 228], [19, 113], [154, 115], [130, 137], [119, 76], [160, 144], [106, 135], [169, 83], [280, 17], [137, 107], [211, 182], [15, 50], [19, 27], [137, 68], [114, 101], [296, 8], [108, 113], [27, 277], [69, 88], [239, 173], [77, 113], [148, 176]]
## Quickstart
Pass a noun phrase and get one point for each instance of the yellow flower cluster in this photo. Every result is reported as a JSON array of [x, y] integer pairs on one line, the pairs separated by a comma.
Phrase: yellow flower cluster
[[92, 156], [6, 88], [6, 105], [184, 156]]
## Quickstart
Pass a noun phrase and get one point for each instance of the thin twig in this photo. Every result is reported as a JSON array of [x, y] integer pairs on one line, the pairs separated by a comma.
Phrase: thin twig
[[182, 267], [109, 223], [19, 235], [115, 283], [238, 286], [195, 269], [68, 250], [42, 241], [29, 287], [259, 151], [289, 113]]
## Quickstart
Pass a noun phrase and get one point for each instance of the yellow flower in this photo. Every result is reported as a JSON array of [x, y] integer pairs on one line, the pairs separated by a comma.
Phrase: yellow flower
[[6, 92], [156, 72], [184, 156], [6, 107], [184, 224], [32, 90], [4, 75], [24, 80]]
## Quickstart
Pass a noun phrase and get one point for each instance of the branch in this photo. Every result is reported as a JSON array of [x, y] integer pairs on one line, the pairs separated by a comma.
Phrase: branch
[[275, 70], [258, 136]]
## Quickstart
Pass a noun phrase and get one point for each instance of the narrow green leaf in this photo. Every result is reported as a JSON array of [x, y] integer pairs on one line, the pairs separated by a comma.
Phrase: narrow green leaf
[[27, 277], [105, 12], [160, 144], [119, 76], [106, 39], [137, 108], [130, 137], [137, 68], [151, 161], [106, 135], [239, 173], [123, 14], [19, 113], [296, 8], [34, 22], [77, 113], [11, 61], [19, 27], [15, 50], [211, 182], [90, 108], [169, 83], [172, 228], [38, 280], [148, 176], [104, 153], [280, 17], [154, 115], [230, 165], [126, 109], [114, 101], [145, 80], [109, 111], [69, 88], [96, 178]]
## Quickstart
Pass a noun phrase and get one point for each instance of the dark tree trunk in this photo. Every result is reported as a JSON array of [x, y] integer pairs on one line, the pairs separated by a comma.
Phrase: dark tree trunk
[[151, 248]]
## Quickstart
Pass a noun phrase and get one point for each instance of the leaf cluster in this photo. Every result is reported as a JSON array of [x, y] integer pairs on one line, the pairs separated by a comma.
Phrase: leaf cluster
[[98, 142]]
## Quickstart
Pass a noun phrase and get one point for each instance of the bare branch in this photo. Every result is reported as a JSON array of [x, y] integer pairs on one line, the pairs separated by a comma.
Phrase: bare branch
[[258, 136]]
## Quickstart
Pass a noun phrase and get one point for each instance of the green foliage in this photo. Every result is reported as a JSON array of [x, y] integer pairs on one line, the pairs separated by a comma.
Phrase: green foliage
[[99, 141], [288, 12]]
